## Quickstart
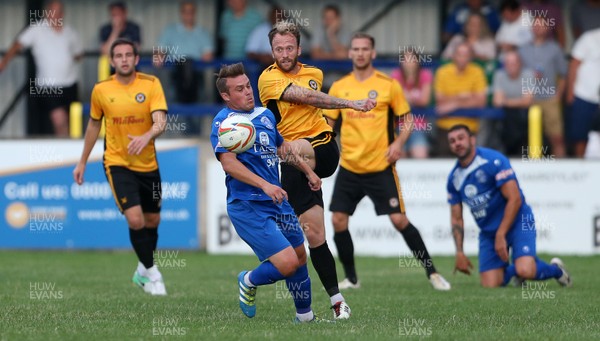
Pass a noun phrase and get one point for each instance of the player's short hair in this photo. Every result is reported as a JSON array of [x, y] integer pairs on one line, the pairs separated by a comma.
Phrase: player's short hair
[[284, 27], [460, 127], [228, 71], [122, 41], [332, 7], [118, 4], [360, 35]]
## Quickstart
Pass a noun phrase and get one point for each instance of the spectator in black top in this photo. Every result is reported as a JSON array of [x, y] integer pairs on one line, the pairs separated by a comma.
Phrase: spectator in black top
[[119, 27]]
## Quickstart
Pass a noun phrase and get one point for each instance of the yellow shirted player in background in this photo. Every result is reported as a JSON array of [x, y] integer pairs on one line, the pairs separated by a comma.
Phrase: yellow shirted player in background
[[134, 109], [370, 149], [291, 90]]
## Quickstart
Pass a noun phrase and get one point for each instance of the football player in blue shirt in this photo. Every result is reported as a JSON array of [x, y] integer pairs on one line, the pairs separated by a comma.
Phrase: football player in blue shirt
[[256, 204], [484, 180]]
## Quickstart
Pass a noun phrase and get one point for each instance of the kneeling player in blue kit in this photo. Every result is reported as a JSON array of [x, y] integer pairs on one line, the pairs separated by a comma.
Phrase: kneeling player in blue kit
[[256, 203], [484, 180]]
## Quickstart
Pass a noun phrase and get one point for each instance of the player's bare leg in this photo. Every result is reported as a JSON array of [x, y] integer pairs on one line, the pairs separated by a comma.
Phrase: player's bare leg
[[345, 247], [313, 223], [491, 278], [413, 239], [60, 122], [146, 275]]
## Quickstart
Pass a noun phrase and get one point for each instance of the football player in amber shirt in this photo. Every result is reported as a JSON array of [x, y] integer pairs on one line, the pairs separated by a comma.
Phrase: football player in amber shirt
[[370, 149], [134, 110], [291, 90]]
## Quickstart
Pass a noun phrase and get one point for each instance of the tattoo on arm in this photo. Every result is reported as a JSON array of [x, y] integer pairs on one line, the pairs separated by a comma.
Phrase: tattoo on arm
[[301, 95], [458, 232]]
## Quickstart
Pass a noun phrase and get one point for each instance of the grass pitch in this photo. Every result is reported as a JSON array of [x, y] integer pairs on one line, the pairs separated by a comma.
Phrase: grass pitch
[[89, 296]]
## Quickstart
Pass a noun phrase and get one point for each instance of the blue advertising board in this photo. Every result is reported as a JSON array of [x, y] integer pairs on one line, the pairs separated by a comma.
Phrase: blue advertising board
[[44, 208]]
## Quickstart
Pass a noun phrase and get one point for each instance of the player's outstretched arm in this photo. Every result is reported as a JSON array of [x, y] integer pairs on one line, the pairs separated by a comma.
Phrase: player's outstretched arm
[[463, 264], [138, 143], [232, 166], [301, 95], [291, 156], [91, 135]]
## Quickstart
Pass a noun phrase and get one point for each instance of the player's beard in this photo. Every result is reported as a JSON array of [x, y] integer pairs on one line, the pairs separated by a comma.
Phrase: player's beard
[[122, 73], [466, 152], [292, 65], [366, 65]]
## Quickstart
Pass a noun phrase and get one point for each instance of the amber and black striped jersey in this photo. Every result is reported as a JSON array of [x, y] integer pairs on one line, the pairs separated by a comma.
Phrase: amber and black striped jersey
[[127, 110], [294, 121], [365, 136]]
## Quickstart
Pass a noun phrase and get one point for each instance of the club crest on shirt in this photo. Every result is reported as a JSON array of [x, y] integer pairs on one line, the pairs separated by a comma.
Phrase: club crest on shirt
[[263, 138], [267, 122], [313, 84], [372, 94], [393, 202], [480, 175], [470, 191], [140, 97]]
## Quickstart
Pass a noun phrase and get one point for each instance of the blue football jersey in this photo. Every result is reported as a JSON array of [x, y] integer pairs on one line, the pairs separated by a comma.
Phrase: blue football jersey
[[261, 159], [478, 186]]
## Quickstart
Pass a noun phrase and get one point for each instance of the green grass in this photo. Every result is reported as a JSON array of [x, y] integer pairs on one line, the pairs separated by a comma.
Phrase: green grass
[[89, 296]]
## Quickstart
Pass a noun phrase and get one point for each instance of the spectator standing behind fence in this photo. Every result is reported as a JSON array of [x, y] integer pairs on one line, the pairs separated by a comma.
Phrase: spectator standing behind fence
[[513, 92], [180, 45], [119, 27], [258, 47], [553, 16], [236, 23], [585, 16], [545, 57], [477, 34], [583, 89], [416, 83], [458, 85], [458, 17], [515, 29], [56, 49]]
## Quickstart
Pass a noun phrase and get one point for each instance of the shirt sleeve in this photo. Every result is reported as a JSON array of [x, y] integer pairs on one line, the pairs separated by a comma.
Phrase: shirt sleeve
[[480, 84], [254, 40], [333, 114], [104, 33], [136, 35], [157, 97], [399, 103], [76, 46], [453, 195], [580, 49], [503, 171], [214, 137], [96, 112], [26, 37]]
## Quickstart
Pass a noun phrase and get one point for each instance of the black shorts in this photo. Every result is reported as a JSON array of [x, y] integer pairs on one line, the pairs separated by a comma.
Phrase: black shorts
[[131, 188], [295, 183], [383, 188], [56, 97]]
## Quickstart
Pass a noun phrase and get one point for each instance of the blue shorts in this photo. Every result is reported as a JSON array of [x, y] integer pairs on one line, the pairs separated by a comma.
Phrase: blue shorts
[[580, 120], [265, 226], [520, 240]]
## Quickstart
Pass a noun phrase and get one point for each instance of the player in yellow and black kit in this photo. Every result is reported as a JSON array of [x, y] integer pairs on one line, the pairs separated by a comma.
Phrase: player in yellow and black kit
[[291, 90], [134, 109], [370, 149]]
